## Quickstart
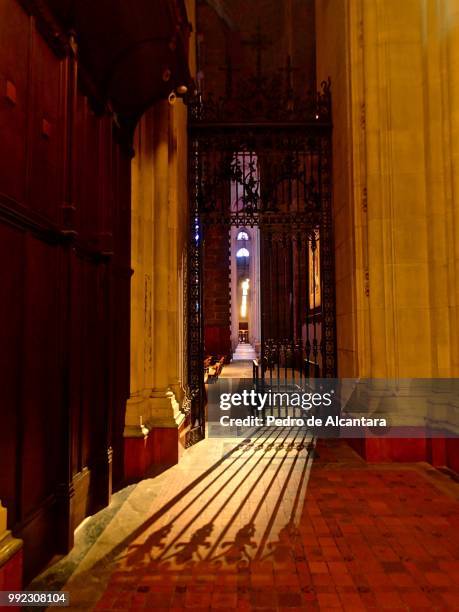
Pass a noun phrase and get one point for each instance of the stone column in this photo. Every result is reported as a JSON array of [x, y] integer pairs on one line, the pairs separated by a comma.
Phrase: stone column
[[137, 456], [165, 408], [395, 85], [397, 221], [437, 25], [159, 238], [153, 416], [141, 381], [450, 73]]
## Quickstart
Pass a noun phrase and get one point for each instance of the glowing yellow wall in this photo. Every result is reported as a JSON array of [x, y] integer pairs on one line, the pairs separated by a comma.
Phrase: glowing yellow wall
[[395, 82]]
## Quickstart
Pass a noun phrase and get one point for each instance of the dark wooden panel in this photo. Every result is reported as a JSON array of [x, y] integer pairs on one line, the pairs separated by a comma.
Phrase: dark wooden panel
[[39, 536], [75, 360], [87, 170], [46, 130], [41, 376], [64, 265], [14, 53], [94, 331], [11, 319], [121, 362], [120, 272]]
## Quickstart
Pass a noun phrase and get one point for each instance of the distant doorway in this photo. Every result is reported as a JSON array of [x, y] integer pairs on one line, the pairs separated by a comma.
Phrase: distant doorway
[[245, 288], [261, 251]]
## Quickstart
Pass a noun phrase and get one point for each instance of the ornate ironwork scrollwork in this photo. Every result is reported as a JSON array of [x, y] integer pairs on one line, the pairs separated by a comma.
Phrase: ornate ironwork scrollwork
[[263, 99]]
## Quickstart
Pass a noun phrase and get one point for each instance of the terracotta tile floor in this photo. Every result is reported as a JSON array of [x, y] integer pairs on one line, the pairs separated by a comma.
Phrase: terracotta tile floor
[[254, 527]]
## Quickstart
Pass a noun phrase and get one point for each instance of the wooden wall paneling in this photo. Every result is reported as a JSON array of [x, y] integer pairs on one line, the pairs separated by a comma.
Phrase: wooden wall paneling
[[77, 334], [101, 416], [35, 431], [41, 407], [121, 281], [14, 68], [106, 194], [90, 178], [87, 171], [102, 446], [12, 258], [74, 349], [78, 145], [66, 510], [65, 490], [47, 154], [67, 220], [42, 373], [90, 354], [65, 267]]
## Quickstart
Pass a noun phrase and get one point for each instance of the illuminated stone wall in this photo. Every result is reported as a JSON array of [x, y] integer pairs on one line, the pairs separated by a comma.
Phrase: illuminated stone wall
[[395, 84]]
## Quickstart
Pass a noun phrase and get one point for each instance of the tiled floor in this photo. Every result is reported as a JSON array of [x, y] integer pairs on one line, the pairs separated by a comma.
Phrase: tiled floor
[[254, 527], [238, 369]]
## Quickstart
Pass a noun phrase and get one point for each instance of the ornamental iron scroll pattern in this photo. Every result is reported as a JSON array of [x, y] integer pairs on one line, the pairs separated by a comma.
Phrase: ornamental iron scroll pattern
[[263, 158], [288, 161], [260, 100]]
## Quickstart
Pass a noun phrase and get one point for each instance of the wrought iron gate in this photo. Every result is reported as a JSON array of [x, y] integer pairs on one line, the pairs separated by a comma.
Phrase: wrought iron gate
[[261, 158]]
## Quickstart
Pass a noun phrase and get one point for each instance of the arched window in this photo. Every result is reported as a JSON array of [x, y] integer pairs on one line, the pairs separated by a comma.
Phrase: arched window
[[243, 253], [243, 236]]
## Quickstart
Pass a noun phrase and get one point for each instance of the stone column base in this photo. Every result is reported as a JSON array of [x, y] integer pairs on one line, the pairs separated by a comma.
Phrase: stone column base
[[155, 443], [439, 452]]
